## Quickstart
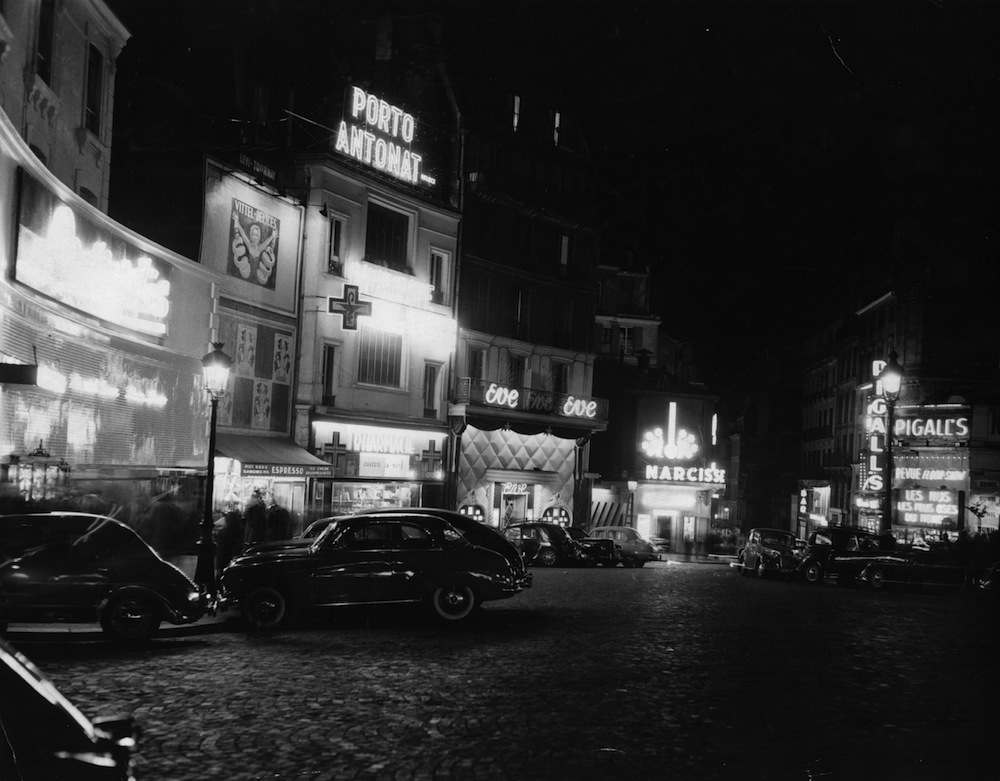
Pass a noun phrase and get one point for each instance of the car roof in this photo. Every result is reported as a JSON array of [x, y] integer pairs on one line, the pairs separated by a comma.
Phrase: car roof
[[770, 529]]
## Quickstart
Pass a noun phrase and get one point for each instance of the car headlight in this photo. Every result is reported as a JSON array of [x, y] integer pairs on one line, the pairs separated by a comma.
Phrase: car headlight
[[194, 597]]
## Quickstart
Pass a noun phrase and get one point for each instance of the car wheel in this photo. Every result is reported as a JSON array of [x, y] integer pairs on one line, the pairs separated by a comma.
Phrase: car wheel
[[454, 602], [813, 572], [264, 608], [546, 557], [876, 578], [130, 618]]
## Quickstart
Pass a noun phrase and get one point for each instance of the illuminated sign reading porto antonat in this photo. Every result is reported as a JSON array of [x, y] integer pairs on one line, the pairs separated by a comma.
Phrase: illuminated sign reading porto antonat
[[379, 134]]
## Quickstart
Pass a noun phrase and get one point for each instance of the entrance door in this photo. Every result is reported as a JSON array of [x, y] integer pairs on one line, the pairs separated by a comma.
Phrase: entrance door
[[515, 508], [663, 525]]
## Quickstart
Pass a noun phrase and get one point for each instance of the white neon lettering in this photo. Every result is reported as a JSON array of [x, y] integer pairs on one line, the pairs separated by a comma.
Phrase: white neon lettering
[[384, 110], [371, 110], [379, 151], [580, 408], [381, 154], [358, 101], [407, 128], [501, 396]]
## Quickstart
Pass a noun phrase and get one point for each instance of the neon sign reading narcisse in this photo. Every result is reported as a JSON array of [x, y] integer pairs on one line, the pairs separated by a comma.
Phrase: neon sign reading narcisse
[[686, 474], [376, 135]]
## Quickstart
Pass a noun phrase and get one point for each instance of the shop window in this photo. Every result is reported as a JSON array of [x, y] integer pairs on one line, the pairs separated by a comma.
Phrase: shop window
[[556, 515], [329, 375], [43, 45], [380, 357], [334, 248], [386, 237], [95, 90], [437, 266], [430, 390]]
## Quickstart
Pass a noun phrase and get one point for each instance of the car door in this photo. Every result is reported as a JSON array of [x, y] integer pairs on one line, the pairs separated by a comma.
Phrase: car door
[[351, 562], [418, 558]]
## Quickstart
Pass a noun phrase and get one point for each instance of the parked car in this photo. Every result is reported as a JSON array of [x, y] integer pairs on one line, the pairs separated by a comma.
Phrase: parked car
[[770, 552], [474, 531], [370, 559], [660, 544], [597, 551], [841, 552], [81, 567], [43, 736], [914, 568], [635, 551], [545, 544]]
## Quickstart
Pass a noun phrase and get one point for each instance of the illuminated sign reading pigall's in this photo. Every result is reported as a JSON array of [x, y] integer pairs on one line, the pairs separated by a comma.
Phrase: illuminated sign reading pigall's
[[380, 134]]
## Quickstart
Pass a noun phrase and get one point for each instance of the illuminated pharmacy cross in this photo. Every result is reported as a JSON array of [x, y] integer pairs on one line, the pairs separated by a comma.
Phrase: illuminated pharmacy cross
[[349, 307]]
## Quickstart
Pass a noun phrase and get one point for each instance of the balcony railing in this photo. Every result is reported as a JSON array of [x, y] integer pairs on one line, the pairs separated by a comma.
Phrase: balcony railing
[[487, 393]]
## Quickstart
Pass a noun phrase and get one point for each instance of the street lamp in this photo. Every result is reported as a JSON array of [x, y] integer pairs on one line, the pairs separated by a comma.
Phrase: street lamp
[[891, 378], [215, 368]]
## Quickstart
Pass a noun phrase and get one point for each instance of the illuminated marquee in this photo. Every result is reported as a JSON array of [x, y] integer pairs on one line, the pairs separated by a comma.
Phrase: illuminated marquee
[[502, 396], [376, 134], [89, 277], [928, 508], [926, 428], [690, 474], [872, 469], [531, 400], [679, 443]]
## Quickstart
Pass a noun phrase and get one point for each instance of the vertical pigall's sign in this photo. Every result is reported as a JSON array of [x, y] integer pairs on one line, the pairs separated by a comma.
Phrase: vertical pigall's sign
[[872, 467]]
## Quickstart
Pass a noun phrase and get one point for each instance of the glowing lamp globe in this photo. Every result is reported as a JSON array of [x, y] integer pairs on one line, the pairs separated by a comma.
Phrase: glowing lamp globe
[[891, 376], [215, 368]]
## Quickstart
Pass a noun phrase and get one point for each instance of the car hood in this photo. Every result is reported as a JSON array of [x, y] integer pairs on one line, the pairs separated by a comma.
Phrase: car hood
[[270, 553], [279, 545]]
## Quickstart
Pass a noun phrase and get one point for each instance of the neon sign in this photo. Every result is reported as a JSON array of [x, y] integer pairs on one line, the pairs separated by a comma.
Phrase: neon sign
[[579, 408], [930, 508], [376, 135], [871, 471], [690, 474], [502, 396], [679, 443], [515, 488], [931, 427], [129, 293]]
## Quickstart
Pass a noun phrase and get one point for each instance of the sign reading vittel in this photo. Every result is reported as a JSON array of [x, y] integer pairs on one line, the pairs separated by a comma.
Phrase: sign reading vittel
[[380, 135]]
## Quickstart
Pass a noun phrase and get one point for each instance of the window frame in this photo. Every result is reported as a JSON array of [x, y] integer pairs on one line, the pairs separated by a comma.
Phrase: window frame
[[90, 111], [432, 412], [366, 332], [438, 295], [411, 219], [328, 372], [479, 350], [335, 263]]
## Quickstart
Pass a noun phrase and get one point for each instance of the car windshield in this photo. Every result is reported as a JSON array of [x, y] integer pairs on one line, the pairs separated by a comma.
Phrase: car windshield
[[776, 540], [331, 530]]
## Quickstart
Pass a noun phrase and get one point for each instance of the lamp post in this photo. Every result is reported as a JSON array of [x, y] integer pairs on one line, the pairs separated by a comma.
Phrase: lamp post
[[215, 368], [891, 377]]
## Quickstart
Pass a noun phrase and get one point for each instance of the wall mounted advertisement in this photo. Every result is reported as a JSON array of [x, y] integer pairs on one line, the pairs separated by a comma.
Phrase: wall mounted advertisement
[[675, 441], [64, 255], [252, 237]]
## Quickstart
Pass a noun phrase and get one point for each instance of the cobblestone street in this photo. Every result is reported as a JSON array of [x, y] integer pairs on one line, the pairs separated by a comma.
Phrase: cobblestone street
[[679, 670]]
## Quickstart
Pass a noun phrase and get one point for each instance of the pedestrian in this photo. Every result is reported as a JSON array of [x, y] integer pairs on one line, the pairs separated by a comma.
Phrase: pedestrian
[[255, 521], [229, 539], [279, 520]]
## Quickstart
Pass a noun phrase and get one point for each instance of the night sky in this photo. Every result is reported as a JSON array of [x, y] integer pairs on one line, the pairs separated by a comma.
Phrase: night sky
[[765, 155]]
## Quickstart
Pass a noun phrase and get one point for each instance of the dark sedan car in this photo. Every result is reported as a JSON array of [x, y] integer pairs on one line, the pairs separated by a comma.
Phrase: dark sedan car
[[79, 567], [841, 552], [770, 552], [43, 736], [545, 544], [598, 551], [914, 568], [474, 531], [369, 559]]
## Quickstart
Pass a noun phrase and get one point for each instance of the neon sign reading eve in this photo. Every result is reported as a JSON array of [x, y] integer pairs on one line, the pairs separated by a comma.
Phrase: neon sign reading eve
[[502, 396], [579, 408], [373, 137], [679, 443], [130, 293], [689, 474]]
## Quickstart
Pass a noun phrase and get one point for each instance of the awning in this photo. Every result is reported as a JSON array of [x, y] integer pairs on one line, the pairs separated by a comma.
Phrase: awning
[[271, 457]]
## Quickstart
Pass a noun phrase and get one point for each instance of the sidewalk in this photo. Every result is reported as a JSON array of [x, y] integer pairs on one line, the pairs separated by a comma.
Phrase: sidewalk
[[695, 558], [207, 624]]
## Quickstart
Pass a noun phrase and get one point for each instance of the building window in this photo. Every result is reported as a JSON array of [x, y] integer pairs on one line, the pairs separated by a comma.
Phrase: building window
[[95, 90], [477, 363], [517, 111], [329, 381], [430, 390], [43, 47], [560, 378], [334, 246], [515, 370], [605, 339], [555, 128], [627, 340], [437, 265], [564, 254], [380, 357], [386, 237]]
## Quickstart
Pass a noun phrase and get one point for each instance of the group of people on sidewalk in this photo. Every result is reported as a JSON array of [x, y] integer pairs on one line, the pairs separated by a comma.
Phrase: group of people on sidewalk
[[264, 520]]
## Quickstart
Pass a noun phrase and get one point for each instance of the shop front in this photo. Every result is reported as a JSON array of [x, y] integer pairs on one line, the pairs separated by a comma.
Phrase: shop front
[[523, 453], [374, 466]]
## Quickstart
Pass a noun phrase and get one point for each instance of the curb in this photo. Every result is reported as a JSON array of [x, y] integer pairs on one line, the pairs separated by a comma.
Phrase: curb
[[85, 631]]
